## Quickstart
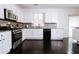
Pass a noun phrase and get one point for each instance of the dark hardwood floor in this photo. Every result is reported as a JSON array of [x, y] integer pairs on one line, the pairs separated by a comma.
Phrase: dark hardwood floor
[[40, 47]]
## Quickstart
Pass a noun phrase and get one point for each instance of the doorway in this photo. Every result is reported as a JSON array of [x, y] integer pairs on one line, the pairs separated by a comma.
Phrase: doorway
[[73, 22]]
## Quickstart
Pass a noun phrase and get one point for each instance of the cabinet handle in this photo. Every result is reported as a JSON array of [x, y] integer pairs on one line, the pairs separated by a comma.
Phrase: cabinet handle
[[0, 40], [1, 35], [3, 39]]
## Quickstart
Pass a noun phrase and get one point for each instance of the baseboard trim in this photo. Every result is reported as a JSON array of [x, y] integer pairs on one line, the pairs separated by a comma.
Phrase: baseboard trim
[[56, 40], [33, 40], [39, 40]]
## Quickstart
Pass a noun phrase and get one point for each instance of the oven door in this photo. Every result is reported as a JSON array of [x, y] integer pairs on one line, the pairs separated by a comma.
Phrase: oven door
[[16, 36]]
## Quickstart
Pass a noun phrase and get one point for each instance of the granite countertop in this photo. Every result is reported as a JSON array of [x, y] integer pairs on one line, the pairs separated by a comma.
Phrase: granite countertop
[[8, 29], [42, 28], [4, 30]]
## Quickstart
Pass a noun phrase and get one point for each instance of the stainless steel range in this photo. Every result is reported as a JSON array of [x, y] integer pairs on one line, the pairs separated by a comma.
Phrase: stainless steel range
[[16, 38]]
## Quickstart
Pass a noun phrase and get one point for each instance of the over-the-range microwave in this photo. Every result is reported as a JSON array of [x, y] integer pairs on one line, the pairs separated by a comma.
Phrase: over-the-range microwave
[[9, 15]]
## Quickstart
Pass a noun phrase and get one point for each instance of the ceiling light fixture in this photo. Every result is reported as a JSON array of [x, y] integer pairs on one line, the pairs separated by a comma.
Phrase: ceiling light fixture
[[36, 4]]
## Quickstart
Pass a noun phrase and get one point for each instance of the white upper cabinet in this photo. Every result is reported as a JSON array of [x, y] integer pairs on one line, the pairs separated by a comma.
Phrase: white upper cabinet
[[51, 17], [28, 18], [38, 19], [2, 11]]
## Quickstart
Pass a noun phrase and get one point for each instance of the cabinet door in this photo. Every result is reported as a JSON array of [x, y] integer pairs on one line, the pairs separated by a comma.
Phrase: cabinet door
[[38, 19], [29, 33], [0, 44], [32, 34], [28, 18], [38, 33], [60, 33], [4, 45], [2, 11], [6, 41], [24, 34], [51, 17], [57, 34], [53, 34]]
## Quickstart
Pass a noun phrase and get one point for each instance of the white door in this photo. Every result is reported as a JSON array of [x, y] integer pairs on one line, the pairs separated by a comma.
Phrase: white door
[[0, 44]]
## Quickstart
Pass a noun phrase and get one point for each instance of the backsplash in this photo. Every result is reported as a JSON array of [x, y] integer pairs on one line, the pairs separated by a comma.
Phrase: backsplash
[[11, 25], [50, 25]]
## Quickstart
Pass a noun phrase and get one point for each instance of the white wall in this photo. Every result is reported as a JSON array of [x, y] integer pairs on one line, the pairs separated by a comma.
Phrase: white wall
[[60, 16], [15, 8]]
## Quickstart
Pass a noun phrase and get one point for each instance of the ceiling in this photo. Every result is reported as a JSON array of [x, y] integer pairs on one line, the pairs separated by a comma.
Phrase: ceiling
[[25, 6]]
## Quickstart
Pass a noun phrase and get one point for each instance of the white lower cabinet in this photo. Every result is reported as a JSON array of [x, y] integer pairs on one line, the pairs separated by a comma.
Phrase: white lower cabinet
[[26, 34], [29, 34], [37, 33], [23, 34], [5, 42], [57, 34], [32, 34], [0, 45]]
